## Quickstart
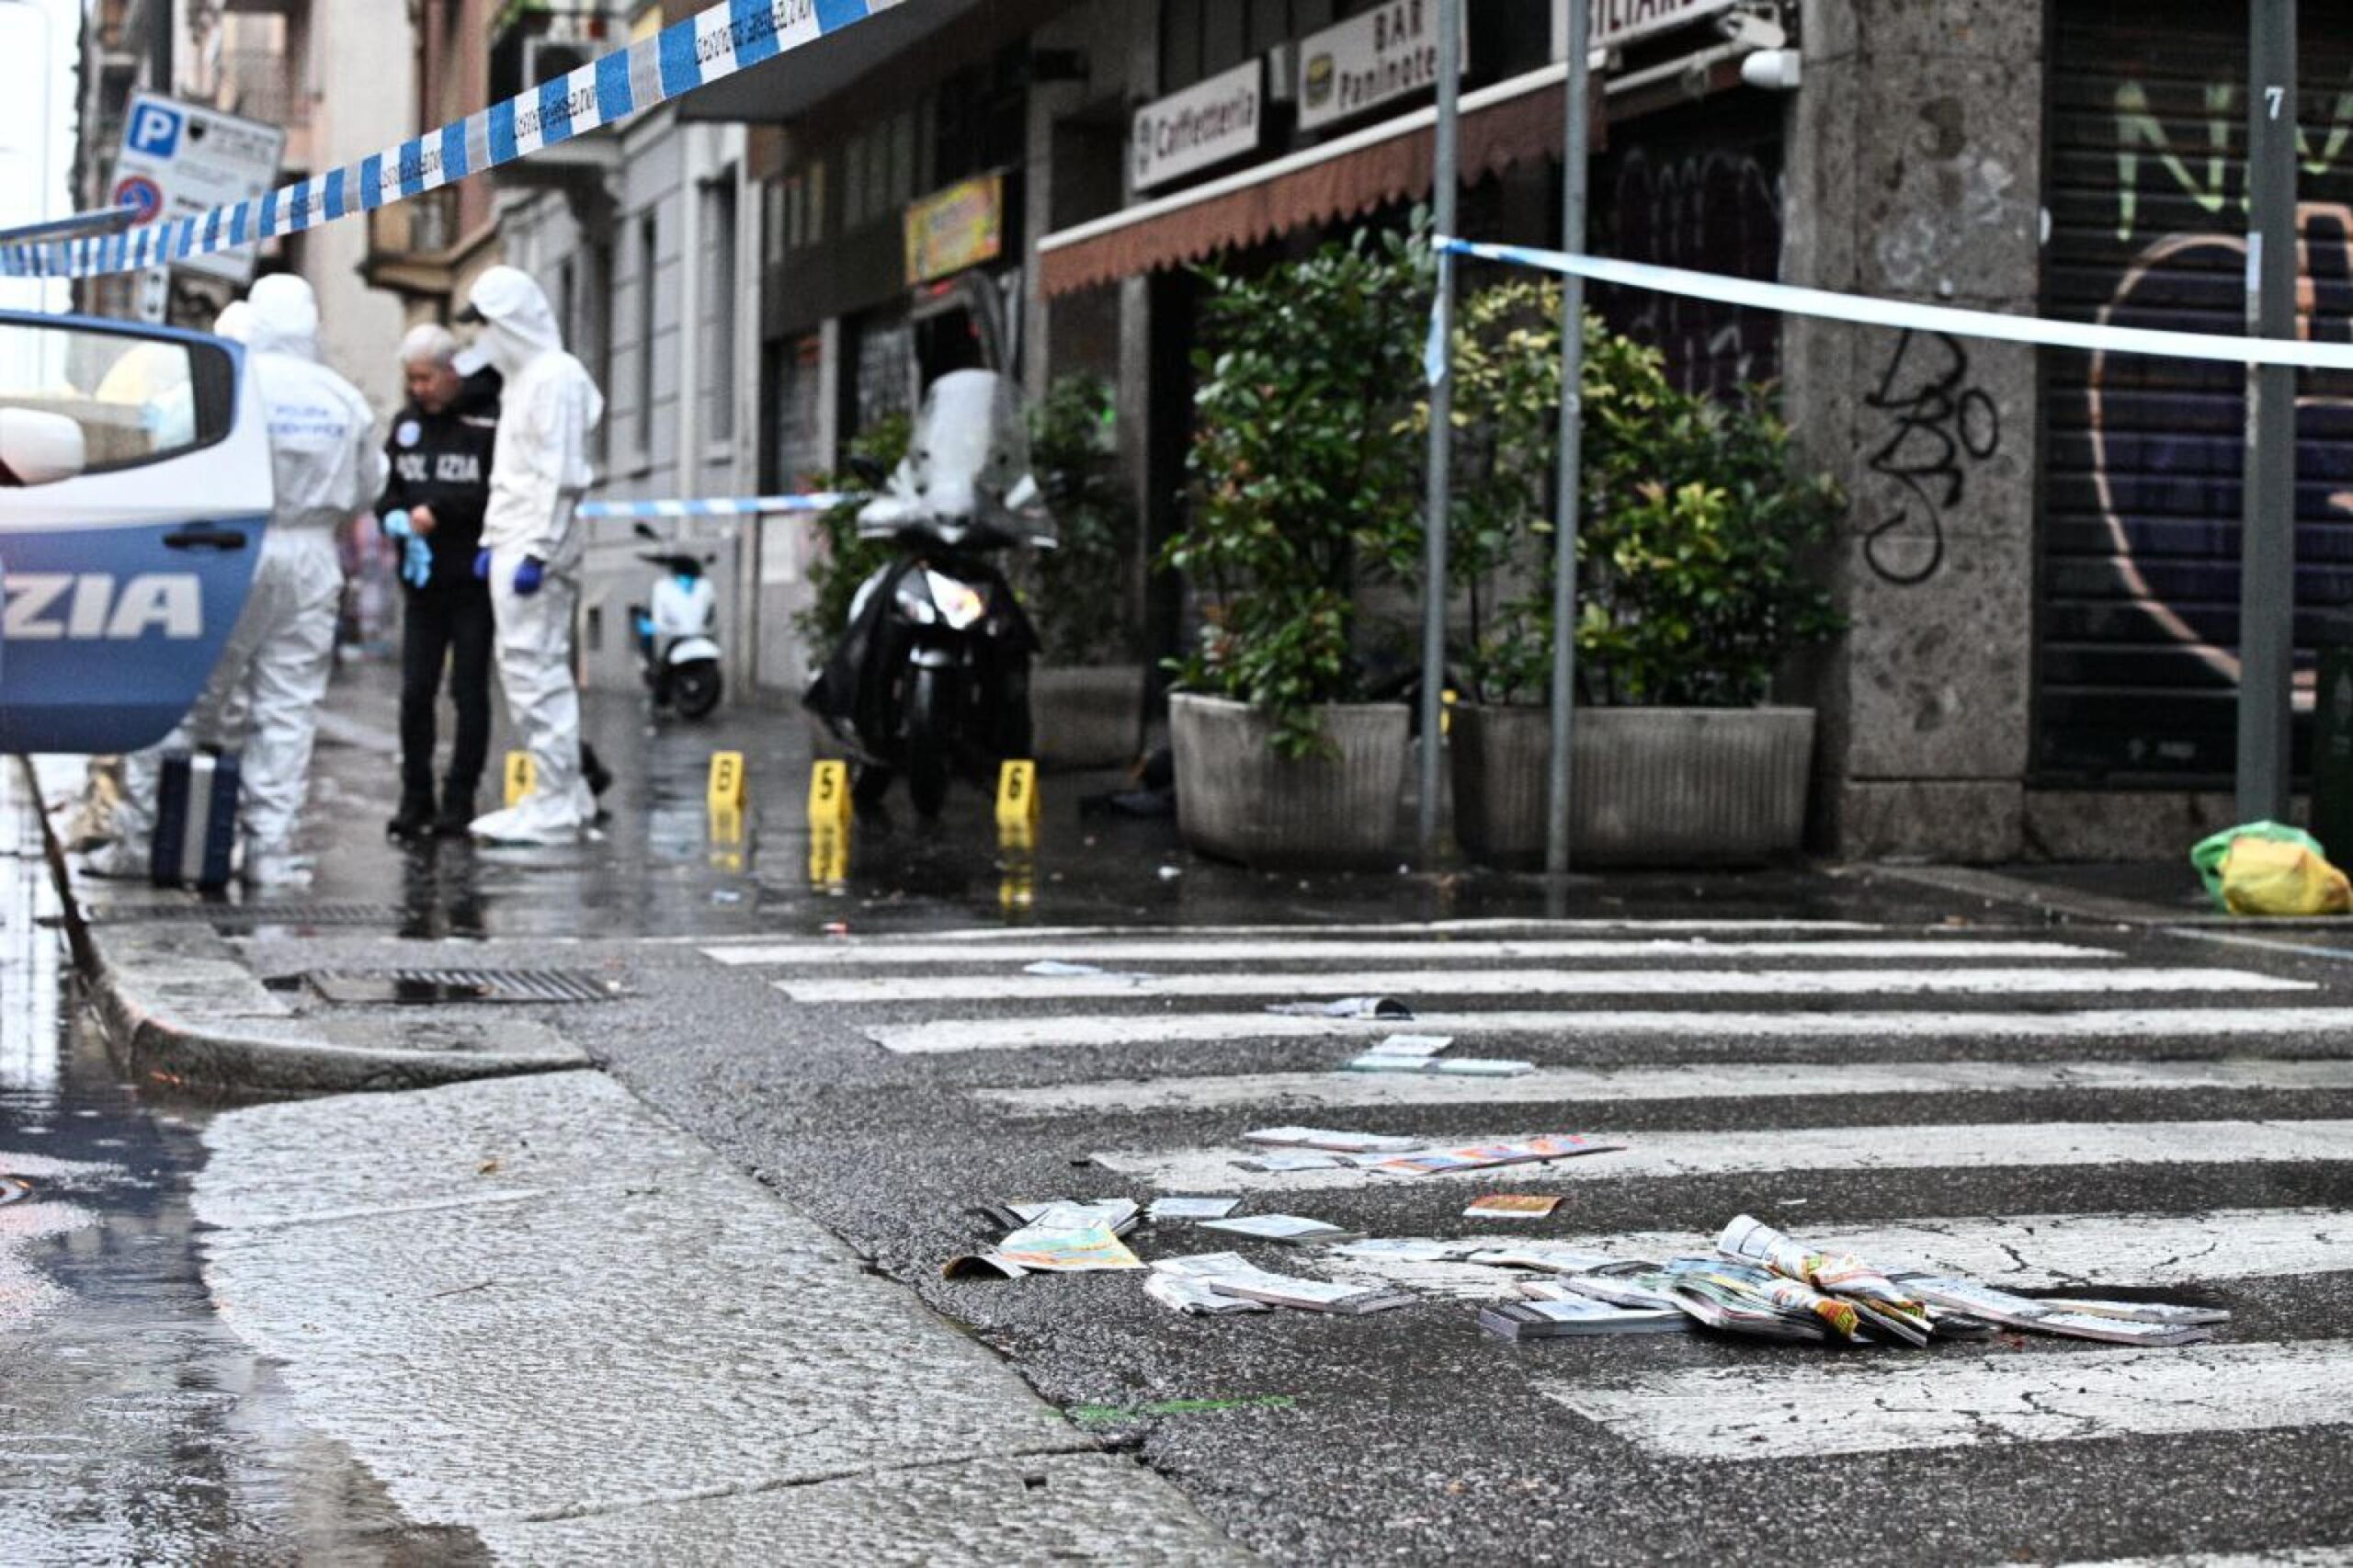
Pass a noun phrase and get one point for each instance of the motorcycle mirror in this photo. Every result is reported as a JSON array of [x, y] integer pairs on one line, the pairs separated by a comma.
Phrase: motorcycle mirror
[[642, 531]]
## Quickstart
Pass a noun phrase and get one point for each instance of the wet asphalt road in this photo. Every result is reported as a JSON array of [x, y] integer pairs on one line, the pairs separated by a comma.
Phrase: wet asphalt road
[[1410, 1435]]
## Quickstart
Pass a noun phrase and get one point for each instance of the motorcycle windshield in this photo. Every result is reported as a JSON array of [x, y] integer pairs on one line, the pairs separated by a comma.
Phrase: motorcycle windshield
[[966, 477]]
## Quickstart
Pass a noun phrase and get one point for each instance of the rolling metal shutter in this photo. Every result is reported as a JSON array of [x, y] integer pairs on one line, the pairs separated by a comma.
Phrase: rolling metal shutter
[[2142, 458]]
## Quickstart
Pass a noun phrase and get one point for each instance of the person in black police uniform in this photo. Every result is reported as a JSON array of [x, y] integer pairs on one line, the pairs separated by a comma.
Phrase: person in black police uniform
[[432, 509]]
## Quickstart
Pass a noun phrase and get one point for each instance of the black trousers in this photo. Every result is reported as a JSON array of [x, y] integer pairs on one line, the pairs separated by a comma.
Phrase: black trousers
[[446, 623]]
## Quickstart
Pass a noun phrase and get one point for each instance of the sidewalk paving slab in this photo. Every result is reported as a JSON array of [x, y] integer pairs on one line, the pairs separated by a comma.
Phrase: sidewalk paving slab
[[535, 1309]]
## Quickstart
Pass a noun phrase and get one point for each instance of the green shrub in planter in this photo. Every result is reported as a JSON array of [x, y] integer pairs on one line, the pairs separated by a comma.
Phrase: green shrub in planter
[[1692, 585], [1082, 592], [1300, 478]]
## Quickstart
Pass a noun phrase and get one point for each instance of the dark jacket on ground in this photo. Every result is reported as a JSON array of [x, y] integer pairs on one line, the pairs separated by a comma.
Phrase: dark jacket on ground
[[442, 460]]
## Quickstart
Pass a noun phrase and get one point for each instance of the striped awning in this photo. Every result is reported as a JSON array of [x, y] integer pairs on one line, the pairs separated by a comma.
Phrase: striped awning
[[1502, 125]]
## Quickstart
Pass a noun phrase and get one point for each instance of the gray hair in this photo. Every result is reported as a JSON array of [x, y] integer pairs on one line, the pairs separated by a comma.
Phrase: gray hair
[[428, 343]]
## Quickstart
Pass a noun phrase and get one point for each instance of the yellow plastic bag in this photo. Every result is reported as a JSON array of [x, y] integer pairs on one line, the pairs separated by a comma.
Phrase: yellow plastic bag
[[2270, 876]]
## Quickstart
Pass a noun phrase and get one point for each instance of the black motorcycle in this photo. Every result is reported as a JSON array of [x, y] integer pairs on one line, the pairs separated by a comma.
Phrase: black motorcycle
[[931, 680]]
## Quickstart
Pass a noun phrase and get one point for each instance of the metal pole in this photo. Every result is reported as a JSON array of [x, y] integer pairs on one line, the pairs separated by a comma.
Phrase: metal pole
[[1574, 150], [2267, 528], [1439, 508]]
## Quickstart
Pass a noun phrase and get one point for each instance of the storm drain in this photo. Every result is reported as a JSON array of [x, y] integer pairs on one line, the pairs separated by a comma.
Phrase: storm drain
[[446, 985], [243, 915]]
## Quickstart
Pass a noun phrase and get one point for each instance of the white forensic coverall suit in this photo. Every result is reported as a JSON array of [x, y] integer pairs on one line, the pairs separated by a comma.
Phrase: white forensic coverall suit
[[263, 698], [536, 476]]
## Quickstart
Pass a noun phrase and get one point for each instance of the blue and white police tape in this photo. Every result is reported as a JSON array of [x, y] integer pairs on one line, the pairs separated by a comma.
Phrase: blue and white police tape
[[2099, 337], [703, 49], [719, 506]]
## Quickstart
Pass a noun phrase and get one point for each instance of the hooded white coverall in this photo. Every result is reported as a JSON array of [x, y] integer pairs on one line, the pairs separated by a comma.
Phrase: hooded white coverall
[[537, 477], [263, 698]]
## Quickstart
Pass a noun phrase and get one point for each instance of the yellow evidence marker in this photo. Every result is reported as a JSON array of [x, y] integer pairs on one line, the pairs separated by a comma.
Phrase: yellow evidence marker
[[522, 777], [829, 804], [1017, 798], [728, 786]]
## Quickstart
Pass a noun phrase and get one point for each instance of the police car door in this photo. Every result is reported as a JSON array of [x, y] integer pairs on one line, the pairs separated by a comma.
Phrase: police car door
[[134, 486]]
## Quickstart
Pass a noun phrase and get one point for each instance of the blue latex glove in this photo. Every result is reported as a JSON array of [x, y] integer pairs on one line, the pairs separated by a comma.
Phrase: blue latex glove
[[482, 565], [528, 575], [396, 524], [417, 562]]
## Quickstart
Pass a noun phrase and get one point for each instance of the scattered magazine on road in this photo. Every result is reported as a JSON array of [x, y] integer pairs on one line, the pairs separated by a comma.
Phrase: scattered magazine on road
[[1230, 1274]]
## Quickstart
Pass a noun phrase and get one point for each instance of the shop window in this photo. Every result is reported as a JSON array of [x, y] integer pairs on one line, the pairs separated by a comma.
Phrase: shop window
[[881, 373]]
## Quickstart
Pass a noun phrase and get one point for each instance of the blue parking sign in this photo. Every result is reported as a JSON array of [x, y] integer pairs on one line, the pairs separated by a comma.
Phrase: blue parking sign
[[154, 130]]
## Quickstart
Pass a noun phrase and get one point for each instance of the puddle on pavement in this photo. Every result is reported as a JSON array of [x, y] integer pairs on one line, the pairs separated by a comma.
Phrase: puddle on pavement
[[665, 867], [134, 1427]]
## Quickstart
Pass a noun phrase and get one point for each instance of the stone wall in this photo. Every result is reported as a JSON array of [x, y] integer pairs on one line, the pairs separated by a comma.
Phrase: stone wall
[[1914, 173]]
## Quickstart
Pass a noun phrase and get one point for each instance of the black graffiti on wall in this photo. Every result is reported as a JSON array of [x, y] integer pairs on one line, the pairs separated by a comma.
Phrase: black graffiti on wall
[[1936, 426]]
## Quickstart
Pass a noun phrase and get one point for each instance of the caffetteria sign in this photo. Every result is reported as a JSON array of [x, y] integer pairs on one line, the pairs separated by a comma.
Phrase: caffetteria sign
[[1388, 52], [1202, 126]]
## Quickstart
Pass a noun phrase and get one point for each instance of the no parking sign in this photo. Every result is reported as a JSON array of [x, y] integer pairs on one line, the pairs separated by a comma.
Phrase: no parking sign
[[181, 160]]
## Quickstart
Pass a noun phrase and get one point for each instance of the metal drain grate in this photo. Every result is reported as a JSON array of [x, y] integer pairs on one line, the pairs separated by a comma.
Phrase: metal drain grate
[[247, 914], [446, 986]]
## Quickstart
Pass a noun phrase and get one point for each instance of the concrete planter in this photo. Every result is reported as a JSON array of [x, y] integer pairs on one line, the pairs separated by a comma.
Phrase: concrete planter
[[1238, 801], [1648, 785], [1085, 716]]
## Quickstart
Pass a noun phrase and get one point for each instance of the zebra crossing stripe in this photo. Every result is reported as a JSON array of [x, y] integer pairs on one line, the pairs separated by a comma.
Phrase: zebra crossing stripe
[[1410, 984], [1757, 1150], [2279, 1557], [2027, 1252], [981, 936], [2327, 1027], [828, 955], [1681, 1081], [2040, 1252], [1892, 1403]]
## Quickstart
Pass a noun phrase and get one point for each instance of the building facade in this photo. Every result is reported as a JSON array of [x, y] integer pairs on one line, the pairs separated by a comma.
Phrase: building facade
[[2039, 566], [316, 69]]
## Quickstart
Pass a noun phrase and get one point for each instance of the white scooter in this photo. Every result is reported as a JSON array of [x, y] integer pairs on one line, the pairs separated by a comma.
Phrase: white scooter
[[675, 645]]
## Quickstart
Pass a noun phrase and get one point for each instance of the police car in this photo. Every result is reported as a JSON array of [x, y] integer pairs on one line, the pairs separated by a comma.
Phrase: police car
[[134, 487]]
